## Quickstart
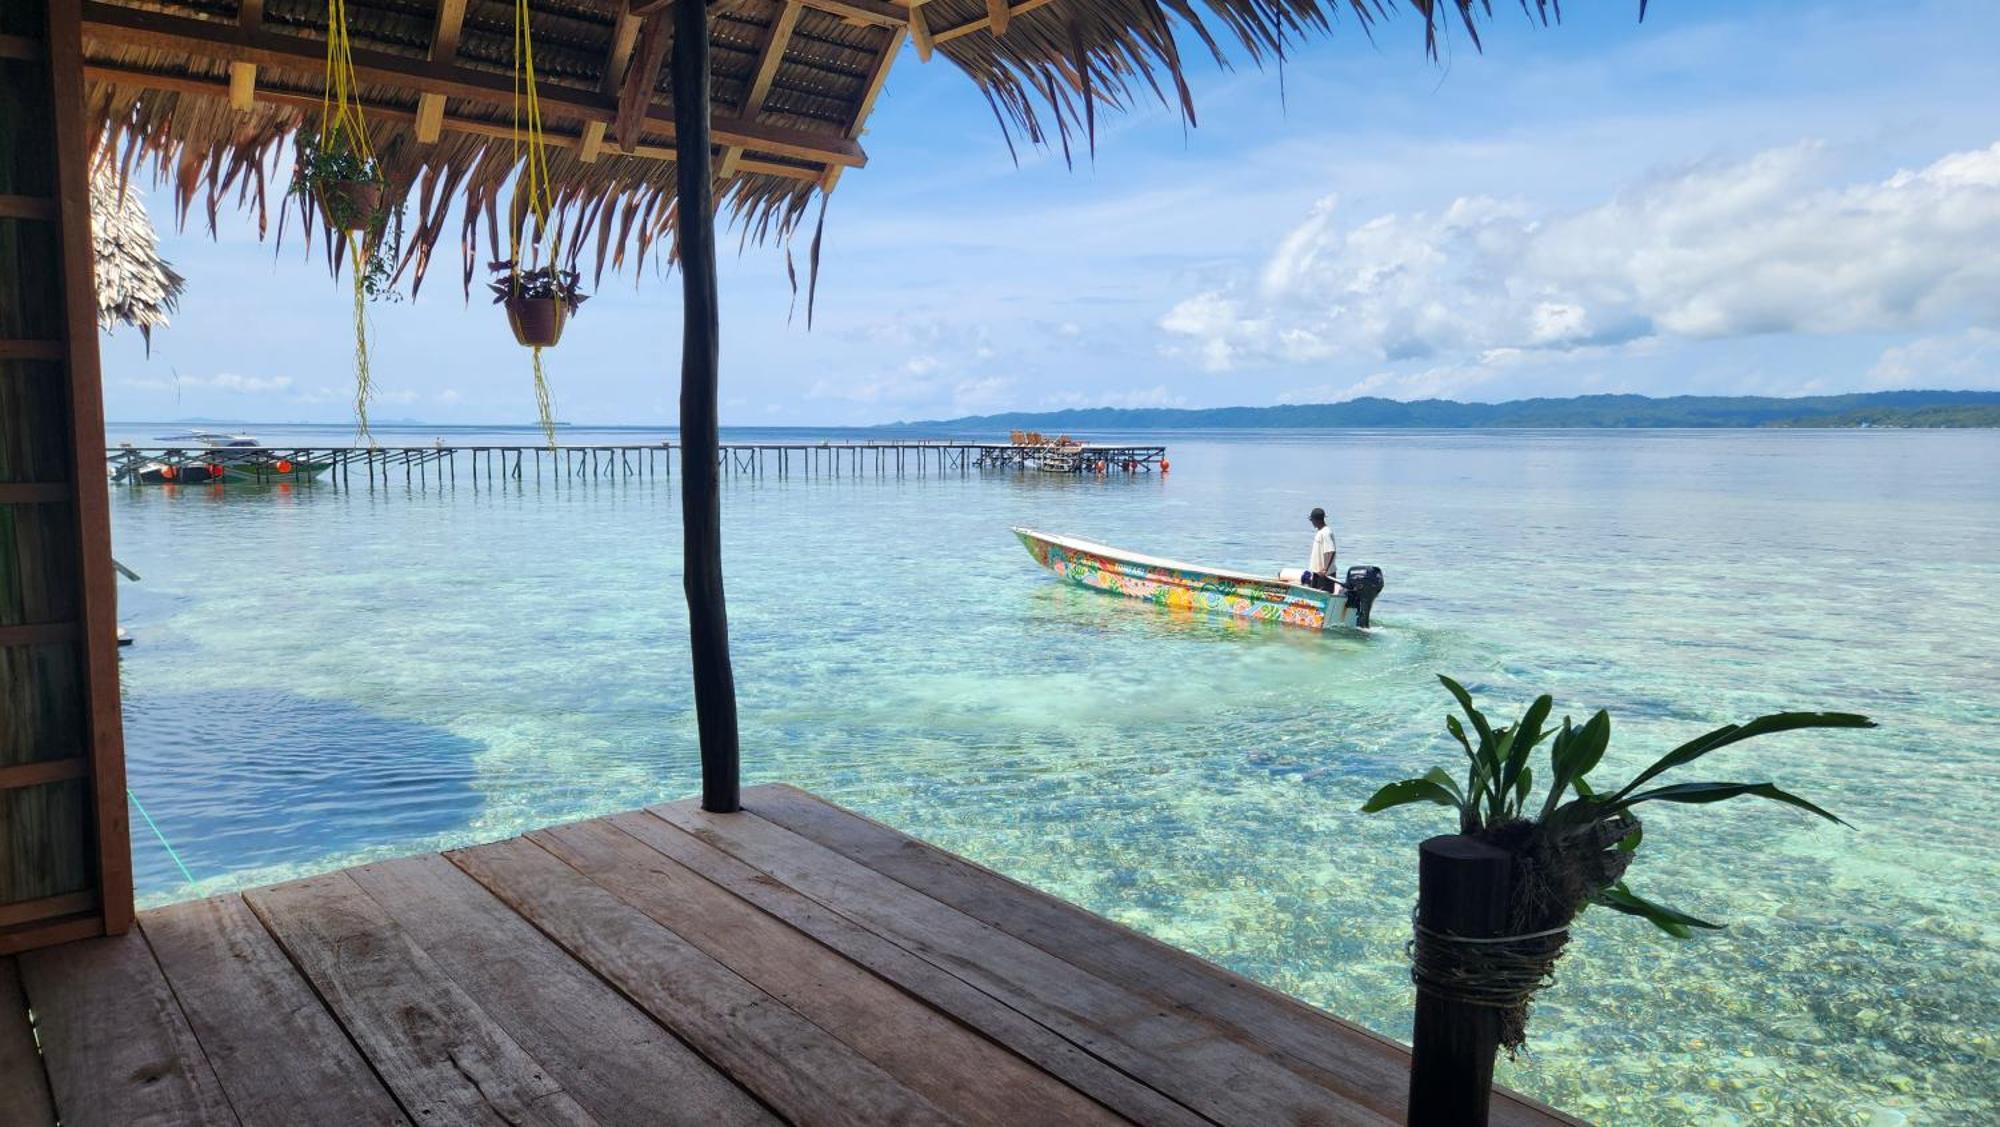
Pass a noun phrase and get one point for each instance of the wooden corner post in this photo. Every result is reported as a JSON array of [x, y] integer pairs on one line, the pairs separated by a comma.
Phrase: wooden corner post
[[701, 497], [65, 854], [1462, 890]]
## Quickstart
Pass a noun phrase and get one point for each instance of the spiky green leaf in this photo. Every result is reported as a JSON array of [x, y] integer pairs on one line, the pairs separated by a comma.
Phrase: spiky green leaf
[[1676, 923], [1736, 733], [1406, 792], [1695, 793]]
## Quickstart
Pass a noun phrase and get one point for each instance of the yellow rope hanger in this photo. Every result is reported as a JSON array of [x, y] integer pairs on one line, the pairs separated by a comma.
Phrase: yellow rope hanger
[[535, 182], [340, 117]]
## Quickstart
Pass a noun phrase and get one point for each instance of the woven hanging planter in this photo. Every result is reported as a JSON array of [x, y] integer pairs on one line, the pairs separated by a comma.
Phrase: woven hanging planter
[[537, 321]]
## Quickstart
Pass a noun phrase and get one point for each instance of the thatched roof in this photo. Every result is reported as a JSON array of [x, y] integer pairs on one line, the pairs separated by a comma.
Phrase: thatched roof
[[204, 93], [135, 286]]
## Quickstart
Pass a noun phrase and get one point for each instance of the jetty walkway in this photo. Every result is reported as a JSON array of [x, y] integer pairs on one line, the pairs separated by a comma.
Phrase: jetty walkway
[[442, 464]]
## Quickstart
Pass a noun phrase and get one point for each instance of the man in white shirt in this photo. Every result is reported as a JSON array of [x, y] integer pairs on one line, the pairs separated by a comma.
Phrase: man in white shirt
[[1319, 566]]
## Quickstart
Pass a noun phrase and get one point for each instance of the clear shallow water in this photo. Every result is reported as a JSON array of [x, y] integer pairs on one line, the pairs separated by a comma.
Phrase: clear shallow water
[[324, 676]]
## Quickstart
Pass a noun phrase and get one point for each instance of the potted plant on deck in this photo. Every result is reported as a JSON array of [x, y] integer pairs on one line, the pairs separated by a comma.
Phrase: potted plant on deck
[[1495, 901]]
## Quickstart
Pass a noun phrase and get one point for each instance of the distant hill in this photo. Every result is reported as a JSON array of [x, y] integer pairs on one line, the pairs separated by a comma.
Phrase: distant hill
[[1875, 408]]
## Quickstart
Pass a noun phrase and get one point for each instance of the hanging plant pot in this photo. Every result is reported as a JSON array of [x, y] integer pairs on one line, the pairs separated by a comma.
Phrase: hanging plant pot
[[350, 205], [537, 321]]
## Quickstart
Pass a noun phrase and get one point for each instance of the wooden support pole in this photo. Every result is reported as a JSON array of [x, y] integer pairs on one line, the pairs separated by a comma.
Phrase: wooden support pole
[[701, 490], [1462, 890]]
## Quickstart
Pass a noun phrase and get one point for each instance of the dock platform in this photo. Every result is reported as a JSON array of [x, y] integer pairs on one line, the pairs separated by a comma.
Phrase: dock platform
[[792, 963], [440, 465]]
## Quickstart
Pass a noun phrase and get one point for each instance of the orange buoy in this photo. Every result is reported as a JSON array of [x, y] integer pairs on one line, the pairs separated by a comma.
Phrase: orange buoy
[[1165, 465], [284, 465], [214, 471], [168, 473]]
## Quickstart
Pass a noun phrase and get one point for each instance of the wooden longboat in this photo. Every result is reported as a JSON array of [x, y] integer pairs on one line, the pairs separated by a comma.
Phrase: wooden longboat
[[1185, 586]]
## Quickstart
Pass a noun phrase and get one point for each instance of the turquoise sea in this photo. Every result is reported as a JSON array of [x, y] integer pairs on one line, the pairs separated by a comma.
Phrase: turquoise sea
[[327, 675]]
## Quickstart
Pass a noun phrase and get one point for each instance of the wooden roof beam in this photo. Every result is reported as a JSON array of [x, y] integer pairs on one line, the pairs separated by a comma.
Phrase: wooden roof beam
[[635, 97], [444, 49], [920, 30], [875, 83], [110, 23], [769, 56], [243, 76], [187, 84], [864, 12], [986, 21]]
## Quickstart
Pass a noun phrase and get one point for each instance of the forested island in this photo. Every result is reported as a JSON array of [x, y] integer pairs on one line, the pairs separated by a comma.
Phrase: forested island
[[1901, 409]]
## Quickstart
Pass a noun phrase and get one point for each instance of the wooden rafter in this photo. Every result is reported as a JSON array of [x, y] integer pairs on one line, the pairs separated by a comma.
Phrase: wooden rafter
[[986, 21], [635, 97], [444, 49], [243, 76], [113, 24], [624, 35], [769, 56], [187, 84], [866, 12], [997, 15], [920, 30], [875, 83]]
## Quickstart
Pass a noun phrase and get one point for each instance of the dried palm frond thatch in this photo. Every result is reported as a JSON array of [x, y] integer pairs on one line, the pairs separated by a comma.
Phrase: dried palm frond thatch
[[135, 286], [795, 79]]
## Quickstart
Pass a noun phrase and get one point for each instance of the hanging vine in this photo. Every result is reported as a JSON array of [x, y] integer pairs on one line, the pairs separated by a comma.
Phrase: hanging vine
[[539, 294], [337, 172]]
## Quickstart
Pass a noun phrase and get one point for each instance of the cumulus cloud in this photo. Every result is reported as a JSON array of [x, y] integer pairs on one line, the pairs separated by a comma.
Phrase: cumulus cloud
[[1969, 359], [1715, 250], [221, 381]]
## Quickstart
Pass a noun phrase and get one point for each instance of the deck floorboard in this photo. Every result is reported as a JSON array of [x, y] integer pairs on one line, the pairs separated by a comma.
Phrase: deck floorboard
[[274, 1048], [793, 963], [24, 1088]]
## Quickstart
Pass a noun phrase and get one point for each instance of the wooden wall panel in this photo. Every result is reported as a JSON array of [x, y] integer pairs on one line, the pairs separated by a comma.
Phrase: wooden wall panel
[[65, 853]]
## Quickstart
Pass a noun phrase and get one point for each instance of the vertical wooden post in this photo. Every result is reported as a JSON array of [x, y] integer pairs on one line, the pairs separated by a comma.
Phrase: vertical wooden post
[[701, 490], [65, 858], [1462, 890]]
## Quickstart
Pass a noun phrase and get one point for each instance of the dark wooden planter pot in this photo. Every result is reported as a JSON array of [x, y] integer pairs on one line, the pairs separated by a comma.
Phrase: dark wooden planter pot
[[537, 321], [350, 205]]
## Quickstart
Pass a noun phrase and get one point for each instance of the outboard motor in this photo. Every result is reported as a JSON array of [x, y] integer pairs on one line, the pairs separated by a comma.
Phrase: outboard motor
[[1364, 582]]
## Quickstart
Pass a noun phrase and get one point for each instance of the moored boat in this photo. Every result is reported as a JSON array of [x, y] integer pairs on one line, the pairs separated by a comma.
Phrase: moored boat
[[1185, 586], [218, 458]]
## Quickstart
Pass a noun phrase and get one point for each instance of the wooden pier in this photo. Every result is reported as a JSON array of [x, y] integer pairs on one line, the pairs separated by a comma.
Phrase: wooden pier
[[441, 464], [794, 962]]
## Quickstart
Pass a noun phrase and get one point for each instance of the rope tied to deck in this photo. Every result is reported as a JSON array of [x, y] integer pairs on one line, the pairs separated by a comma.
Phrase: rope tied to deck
[[1502, 972]]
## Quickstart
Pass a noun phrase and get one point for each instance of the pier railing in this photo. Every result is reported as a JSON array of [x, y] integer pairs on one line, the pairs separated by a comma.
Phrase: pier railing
[[441, 464]]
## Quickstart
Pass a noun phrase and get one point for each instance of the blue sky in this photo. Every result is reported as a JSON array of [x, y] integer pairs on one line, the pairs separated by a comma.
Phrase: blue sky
[[1736, 197]]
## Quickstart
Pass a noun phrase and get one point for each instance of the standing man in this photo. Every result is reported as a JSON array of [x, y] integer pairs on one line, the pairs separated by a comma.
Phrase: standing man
[[1319, 566]]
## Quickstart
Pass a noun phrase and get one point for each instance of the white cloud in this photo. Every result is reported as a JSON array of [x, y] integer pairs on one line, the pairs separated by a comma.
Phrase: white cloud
[[1711, 251], [1969, 359], [221, 381]]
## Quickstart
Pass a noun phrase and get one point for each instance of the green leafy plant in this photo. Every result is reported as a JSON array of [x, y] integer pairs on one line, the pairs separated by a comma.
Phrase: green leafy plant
[[347, 188], [1573, 845]]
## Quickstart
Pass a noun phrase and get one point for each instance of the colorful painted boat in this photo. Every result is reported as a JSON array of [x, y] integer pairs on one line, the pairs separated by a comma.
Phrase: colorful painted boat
[[1185, 586]]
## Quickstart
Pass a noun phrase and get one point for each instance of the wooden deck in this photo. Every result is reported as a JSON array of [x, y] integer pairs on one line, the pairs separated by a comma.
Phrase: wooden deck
[[795, 962]]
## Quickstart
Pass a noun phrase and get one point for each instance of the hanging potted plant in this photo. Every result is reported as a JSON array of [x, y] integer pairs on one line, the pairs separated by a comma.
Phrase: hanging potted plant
[[538, 294], [333, 174], [539, 301], [1564, 851], [337, 175]]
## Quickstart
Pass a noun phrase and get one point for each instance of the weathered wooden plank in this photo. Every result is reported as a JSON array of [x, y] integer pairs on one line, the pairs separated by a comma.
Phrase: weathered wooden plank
[[117, 1047], [274, 1048], [444, 1059], [802, 1071], [1210, 1067], [964, 1074], [1025, 1036], [24, 1088], [1348, 1057], [607, 1054]]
